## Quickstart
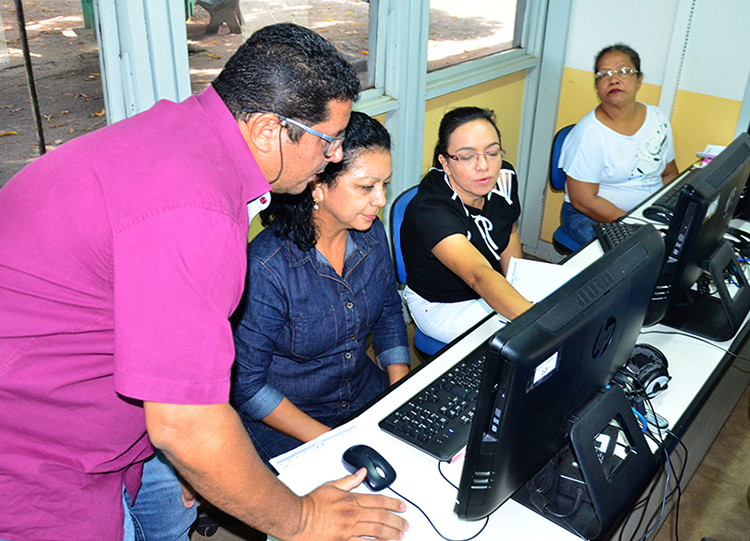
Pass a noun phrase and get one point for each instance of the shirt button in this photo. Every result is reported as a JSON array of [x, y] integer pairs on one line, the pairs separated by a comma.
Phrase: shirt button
[[348, 355], [349, 305], [353, 337], [343, 404], [346, 380]]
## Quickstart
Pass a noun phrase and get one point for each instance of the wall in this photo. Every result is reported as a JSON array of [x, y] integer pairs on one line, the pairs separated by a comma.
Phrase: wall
[[687, 56], [503, 95]]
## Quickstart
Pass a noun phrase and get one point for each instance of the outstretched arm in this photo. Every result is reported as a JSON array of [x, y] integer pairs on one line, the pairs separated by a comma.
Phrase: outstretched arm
[[461, 257], [292, 421], [210, 448]]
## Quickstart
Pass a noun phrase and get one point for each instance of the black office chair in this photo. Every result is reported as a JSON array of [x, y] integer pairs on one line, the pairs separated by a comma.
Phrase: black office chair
[[563, 242]]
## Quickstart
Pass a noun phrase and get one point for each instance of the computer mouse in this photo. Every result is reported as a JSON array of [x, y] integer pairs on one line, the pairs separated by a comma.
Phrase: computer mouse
[[658, 214], [380, 474]]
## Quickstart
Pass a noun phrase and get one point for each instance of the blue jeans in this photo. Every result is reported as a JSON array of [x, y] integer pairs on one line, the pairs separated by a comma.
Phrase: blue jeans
[[158, 513], [577, 225]]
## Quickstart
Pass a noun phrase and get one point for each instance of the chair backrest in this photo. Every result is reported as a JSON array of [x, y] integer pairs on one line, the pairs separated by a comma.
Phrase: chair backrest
[[557, 175], [397, 217]]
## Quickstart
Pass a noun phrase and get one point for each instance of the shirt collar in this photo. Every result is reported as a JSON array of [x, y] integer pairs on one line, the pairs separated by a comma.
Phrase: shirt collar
[[254, 183]]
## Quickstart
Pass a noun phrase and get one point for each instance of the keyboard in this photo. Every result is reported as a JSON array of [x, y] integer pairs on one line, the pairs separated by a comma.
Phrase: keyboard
[[668, 200], [612, 234], [437, 420]]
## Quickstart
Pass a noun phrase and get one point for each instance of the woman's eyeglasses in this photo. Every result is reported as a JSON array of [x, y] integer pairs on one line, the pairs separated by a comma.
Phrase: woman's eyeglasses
[[621, 73], [469, 158]]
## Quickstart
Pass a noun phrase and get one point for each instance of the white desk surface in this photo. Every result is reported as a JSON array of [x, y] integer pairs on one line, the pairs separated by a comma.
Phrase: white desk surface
[[691, 364]]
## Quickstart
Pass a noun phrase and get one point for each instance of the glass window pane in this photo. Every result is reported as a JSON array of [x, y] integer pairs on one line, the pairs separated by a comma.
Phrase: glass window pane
[[65, 59], [461, 31], [345, 23]]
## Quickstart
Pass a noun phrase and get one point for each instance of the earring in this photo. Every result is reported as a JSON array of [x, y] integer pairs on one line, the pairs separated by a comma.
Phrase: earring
[[315, 205]]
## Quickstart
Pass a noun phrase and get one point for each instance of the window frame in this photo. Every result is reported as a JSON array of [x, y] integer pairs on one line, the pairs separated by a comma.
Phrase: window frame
[[401, 48], [401, 89]]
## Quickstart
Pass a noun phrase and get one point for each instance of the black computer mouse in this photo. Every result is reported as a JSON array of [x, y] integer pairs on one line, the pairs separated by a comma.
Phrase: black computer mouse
[[380, 474], [658, 214]]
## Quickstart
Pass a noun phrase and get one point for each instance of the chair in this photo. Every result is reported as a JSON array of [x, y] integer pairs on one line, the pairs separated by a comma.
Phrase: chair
[[425, 345], [563, 242]]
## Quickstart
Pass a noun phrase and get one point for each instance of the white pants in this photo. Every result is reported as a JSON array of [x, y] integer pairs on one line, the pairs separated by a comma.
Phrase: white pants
[[444, 321]]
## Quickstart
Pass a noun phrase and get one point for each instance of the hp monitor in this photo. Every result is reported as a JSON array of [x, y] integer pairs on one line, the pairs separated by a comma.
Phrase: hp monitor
[[545, 365]]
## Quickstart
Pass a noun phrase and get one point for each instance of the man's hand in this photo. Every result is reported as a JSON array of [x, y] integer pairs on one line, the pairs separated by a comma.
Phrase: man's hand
[[209, 447], [332, 513], [188, 493]]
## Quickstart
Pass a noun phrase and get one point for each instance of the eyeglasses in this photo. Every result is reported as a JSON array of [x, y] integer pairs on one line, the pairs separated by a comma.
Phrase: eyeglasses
[[469, 158], [334, 143], [621, 73]]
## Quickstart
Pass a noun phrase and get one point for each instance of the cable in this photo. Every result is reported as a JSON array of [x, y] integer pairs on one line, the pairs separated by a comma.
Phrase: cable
[[710, 343], [547, 509], [663, 506], [637, 389], [440, 463], [641, 418], [658, 516], [642, 503], [679, 488], [486, 521]]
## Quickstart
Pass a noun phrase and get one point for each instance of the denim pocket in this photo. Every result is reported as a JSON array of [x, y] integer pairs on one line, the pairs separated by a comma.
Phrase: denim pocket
[[314, 333], [372, 297]]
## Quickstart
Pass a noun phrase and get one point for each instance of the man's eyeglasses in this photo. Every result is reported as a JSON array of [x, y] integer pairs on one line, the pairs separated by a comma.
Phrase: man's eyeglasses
[[334, 143], [621, 73], [469, 158]]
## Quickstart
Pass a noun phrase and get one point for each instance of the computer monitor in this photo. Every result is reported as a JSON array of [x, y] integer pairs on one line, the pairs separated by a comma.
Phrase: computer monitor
[[547, 364], [694, 246]]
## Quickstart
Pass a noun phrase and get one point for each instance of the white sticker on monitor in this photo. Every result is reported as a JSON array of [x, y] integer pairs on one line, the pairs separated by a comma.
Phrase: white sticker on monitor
[[543, 370], [711, 210]]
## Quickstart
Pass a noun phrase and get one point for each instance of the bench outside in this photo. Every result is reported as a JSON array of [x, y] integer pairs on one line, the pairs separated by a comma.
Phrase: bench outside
[[222, 11]]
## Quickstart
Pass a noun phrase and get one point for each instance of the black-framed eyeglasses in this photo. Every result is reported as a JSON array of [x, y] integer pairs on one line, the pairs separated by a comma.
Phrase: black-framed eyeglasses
[[334, 143]]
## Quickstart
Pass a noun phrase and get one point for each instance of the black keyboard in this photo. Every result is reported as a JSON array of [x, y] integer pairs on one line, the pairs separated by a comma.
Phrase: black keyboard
[[612, 234], [668, 200], [437, 420]]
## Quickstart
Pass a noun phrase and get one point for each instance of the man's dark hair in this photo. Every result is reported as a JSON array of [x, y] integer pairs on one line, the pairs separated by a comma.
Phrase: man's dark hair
[[454, 119], [291, 216], [289, 70], [620, 48]]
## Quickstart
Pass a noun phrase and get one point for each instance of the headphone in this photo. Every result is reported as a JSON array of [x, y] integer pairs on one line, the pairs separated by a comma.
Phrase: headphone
[[741, 242], [648, 366]]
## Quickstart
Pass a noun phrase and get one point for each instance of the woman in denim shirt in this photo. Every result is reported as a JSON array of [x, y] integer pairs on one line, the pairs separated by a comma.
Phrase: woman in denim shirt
[[319, 281]]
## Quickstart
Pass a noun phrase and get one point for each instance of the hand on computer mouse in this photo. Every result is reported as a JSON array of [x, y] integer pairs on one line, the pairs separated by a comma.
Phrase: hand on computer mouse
[[331, 511], [380, 474]]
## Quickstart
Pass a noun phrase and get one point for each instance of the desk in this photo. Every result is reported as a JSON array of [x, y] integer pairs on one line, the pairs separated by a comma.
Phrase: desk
[[705, 387]]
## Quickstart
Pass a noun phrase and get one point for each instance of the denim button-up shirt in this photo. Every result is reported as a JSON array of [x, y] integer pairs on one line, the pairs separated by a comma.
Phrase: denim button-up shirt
[[303, 327]]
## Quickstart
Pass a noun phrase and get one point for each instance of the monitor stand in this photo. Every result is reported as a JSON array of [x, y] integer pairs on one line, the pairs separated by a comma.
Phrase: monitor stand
[[706, 315], [593, 482]]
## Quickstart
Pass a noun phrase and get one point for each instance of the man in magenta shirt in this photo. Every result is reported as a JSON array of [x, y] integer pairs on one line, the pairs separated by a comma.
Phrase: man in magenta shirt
[[122, 257]]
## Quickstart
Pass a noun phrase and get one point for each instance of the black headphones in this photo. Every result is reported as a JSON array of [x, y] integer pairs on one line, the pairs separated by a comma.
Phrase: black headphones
[[741, 242], [648, 366]]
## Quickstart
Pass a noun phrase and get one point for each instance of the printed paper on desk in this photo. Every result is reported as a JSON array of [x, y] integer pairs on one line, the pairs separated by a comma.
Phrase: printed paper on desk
[[537, 279], [308, 466]]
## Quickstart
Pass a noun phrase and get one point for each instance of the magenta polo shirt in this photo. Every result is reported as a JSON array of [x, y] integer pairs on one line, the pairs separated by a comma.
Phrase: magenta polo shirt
[[122, 256]]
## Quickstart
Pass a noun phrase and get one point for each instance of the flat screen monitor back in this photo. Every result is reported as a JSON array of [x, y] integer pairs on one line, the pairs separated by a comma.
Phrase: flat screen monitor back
[[704, 209], [546, 364]]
